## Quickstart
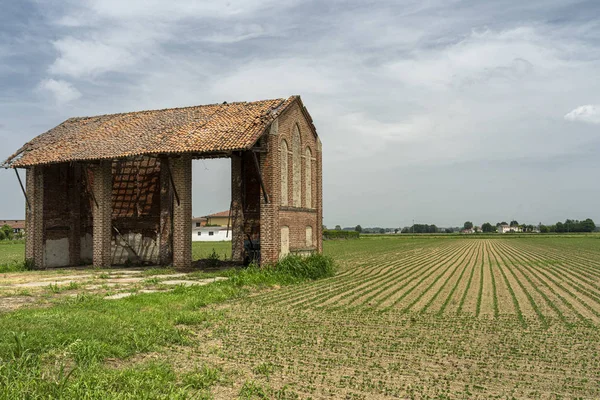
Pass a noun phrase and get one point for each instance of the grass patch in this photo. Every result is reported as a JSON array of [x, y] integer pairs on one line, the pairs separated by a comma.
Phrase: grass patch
[[58, 352], [202, 378], [291, 269], [55, 288], [12, 255], [193, 318], [16, 266], [203, 250], [313, 267], [27, 377]]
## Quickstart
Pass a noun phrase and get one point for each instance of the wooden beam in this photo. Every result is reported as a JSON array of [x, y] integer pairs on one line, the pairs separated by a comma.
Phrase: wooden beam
[[88, 188], [262, 184], [229, 219], [23, 189], [172, 182]]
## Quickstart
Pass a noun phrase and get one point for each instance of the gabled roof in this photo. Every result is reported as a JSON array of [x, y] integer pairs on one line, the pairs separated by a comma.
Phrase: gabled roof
[[215, 129], [219, 214]]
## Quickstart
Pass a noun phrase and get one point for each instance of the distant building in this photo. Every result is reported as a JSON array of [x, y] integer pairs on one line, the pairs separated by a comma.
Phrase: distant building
[[211, 228], [468, 231], [197, 222], [17, 225], [218, 219], [507, 228], [211, 234]]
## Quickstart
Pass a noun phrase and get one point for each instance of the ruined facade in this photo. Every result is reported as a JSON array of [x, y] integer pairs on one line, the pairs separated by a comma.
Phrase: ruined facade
[[117, 189]]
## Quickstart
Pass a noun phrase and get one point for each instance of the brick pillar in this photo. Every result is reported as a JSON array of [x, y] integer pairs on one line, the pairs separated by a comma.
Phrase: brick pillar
[[102, 214], [75, 214], [34, 217], [319, 199], [237, 211], [166, 214], [269, 213], [182, 212]]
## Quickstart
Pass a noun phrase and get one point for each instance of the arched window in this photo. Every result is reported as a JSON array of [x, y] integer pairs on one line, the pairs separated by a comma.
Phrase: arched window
[[308, 178], [285, 241], [296, 168], [309, 236], [284, 173]]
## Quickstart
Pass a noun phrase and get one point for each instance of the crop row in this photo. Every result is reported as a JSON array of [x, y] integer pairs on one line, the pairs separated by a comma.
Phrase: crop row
[[487, 278]]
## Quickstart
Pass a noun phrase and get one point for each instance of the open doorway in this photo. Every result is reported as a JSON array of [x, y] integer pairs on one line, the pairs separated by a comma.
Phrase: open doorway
[[211, 208], [226, 208]]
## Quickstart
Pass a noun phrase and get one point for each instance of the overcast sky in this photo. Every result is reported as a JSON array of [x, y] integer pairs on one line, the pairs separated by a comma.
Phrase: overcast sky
[[439, 111]]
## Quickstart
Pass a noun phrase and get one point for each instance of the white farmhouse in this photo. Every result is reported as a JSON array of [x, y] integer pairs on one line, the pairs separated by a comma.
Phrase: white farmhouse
[[210, 234], [506, 228]]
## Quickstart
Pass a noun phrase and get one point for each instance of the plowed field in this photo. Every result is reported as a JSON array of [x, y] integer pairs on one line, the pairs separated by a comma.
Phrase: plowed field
[[430, 318]]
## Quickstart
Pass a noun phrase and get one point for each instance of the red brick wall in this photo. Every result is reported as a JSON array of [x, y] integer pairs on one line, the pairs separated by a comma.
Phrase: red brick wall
[[275, 215], [298, 220], [62, 215], [269, 219], [251, 195], [34, 217], [102, 214], [237, 212], [246, 202], [182, 212], [166, 214]]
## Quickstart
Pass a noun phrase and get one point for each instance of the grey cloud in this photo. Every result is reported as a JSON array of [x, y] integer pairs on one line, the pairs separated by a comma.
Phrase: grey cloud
[[426, 110], [589, 113]]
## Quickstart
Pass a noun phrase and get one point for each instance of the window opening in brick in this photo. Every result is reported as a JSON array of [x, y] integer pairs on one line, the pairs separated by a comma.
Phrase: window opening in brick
[[296, 167], [284, 173], [309, 236], [308, 178]]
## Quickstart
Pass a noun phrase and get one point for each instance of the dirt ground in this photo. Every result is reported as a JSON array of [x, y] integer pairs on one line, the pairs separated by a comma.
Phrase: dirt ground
[[20, 289]]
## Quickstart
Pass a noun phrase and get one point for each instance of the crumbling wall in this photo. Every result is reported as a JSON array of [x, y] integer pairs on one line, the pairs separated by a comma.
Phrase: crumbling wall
[[68, 205], [251, 196], [136, 211], [246, 203], [67, 216], [57, 190], [86, 204]]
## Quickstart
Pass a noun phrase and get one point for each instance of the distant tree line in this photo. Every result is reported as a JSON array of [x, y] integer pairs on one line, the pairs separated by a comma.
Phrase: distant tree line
[[360, 229], [570, 225], [332, 234], [420, 228]]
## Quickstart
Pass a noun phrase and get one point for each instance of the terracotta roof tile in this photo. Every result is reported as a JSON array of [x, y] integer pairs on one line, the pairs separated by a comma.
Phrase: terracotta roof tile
[[219, 214], [15, 224], [214, 128]]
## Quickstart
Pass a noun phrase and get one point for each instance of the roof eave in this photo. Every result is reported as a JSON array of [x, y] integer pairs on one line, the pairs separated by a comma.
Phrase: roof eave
[[265, 120]]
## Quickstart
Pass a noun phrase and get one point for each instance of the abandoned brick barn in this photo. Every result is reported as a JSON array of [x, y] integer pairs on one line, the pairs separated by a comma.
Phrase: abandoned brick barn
[[117, 189]]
